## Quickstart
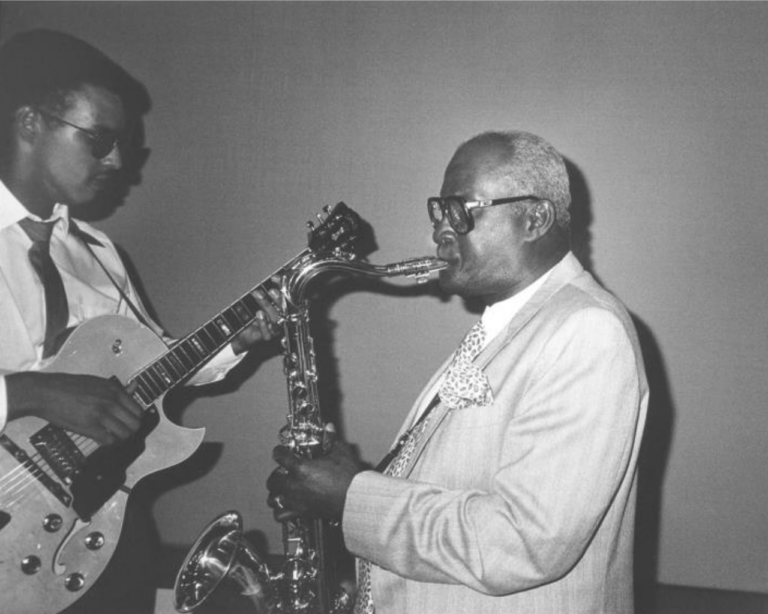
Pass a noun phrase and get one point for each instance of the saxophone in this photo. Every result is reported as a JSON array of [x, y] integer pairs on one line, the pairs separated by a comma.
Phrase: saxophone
[[306, 582]]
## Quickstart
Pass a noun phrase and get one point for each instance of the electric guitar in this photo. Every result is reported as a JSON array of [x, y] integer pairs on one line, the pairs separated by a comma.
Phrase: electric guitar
[[62, 496]]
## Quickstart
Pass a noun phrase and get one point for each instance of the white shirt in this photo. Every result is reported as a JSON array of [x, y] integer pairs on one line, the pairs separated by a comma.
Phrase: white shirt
[[495, 318], [90, 292]]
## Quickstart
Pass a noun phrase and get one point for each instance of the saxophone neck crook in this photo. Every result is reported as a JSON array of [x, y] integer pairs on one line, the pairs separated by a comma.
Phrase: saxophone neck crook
[[295, 283]]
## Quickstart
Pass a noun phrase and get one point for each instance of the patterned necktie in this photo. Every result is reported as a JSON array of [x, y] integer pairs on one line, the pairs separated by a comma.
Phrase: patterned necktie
[[464, 385], [364, 601], [56, 308]]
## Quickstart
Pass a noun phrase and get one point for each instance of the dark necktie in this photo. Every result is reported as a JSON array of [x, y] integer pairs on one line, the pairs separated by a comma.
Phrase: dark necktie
[[56, 308]]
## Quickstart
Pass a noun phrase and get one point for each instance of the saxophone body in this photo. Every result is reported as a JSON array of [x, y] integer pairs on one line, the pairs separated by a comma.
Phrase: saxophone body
[[310, 582], [306, 582]]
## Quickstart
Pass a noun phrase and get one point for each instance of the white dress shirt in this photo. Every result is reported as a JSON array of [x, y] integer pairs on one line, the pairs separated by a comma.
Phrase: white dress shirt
[[497, 316], [90, 292], [494, 319]]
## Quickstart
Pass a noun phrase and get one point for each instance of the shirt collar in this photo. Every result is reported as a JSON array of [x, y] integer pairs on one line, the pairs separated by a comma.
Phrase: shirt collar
[[11, 211], [497, 316]]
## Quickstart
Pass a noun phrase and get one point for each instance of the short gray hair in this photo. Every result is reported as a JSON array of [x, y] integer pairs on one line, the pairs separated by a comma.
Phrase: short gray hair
[[531, 165]]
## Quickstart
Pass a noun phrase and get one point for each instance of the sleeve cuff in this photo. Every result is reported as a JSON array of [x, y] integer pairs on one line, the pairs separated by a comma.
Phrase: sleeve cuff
[[367, 498], [3, 403], [217, 368]]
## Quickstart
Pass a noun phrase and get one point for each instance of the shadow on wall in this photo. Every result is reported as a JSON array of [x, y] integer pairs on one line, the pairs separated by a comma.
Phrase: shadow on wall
[[654, 452], [581, 215]]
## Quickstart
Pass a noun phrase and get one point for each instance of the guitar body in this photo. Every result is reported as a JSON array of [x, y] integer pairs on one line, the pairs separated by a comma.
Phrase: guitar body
[[50, 554], [62, 497]]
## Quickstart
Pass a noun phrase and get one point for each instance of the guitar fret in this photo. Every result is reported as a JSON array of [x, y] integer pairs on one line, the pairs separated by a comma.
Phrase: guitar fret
[[181, 352], [147, 388], [242, 311], [232, 317], [197, 348], [223, 330], [145, 395], [154, 381], [142, 386], [171, 368], [249, 303], [157, 370], [178, 365], [163, 373], [210, 332]]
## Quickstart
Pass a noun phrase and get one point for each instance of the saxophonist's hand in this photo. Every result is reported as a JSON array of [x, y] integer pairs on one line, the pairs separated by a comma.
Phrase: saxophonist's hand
[[312, 487]]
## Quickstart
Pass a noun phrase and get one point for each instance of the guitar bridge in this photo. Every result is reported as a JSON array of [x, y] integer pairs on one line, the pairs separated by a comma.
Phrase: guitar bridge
[[59, 451]]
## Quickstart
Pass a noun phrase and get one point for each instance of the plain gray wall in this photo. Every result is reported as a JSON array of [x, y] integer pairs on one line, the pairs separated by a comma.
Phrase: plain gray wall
[[264, 112]]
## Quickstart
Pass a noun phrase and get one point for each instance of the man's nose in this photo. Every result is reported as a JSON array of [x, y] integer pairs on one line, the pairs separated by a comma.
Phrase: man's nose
[[114, 159], [441, 230]]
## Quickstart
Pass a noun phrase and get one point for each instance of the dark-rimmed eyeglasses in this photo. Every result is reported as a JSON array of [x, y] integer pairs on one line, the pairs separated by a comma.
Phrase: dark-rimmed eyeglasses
[[102, 142], [458, 209]]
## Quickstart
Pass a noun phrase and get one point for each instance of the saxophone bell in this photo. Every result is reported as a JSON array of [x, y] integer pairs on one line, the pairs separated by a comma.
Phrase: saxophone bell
[[221, 556]]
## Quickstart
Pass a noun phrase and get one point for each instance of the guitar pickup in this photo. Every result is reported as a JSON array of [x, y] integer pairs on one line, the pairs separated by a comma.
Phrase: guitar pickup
[[40, 473], [59, 451]]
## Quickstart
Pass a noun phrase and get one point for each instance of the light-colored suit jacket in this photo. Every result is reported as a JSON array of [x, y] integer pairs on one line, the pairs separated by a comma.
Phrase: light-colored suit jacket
[[527, 505]]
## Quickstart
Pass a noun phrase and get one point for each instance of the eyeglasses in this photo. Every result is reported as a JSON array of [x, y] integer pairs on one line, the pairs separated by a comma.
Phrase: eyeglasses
[[457, 209], [102, 142]]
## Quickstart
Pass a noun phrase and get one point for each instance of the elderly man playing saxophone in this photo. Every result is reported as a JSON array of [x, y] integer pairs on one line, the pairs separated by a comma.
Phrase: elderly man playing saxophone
[[512, 487]]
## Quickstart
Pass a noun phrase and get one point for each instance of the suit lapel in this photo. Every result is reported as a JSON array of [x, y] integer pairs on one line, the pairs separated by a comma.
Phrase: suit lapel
[[562, 273]]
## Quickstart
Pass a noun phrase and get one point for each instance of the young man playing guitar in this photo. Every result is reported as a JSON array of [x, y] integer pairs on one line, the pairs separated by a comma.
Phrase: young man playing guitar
[[65, 117]]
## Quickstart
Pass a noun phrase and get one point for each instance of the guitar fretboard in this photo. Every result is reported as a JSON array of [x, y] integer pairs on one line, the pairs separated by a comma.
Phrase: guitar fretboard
[[192, 352]]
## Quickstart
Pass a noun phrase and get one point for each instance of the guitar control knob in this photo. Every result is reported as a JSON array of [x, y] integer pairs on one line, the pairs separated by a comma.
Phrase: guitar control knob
[[94, 541], [74, 582], [52, 523], [30, 565]]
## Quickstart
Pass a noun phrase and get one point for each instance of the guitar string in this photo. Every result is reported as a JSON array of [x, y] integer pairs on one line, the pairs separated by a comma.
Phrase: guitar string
[[24, 477], [15, 485], [16, 482], [27, 476]]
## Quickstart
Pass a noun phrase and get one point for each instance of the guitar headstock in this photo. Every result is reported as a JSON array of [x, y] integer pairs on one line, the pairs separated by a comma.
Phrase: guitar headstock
[[338, 230]]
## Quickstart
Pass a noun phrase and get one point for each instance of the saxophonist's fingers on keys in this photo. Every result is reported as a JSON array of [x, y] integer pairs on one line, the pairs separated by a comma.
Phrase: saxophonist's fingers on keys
[[280, 512]]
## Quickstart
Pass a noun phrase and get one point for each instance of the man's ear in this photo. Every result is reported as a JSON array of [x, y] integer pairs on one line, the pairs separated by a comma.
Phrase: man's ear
[[27, 123], [540, 218]]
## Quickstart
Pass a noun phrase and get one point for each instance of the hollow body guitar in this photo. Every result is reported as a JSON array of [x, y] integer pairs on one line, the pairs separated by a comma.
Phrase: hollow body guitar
[[62, 496]]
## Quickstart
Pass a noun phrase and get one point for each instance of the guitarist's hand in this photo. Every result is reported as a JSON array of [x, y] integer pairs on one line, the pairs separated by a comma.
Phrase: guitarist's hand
[[93, 406], [265, 326]]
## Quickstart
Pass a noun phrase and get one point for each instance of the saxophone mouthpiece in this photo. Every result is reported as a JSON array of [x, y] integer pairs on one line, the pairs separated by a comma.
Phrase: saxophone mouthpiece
[[418, 268]]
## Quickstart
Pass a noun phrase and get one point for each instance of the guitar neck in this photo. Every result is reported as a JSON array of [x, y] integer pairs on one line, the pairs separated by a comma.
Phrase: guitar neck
[[200, 346], [336, 232]]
